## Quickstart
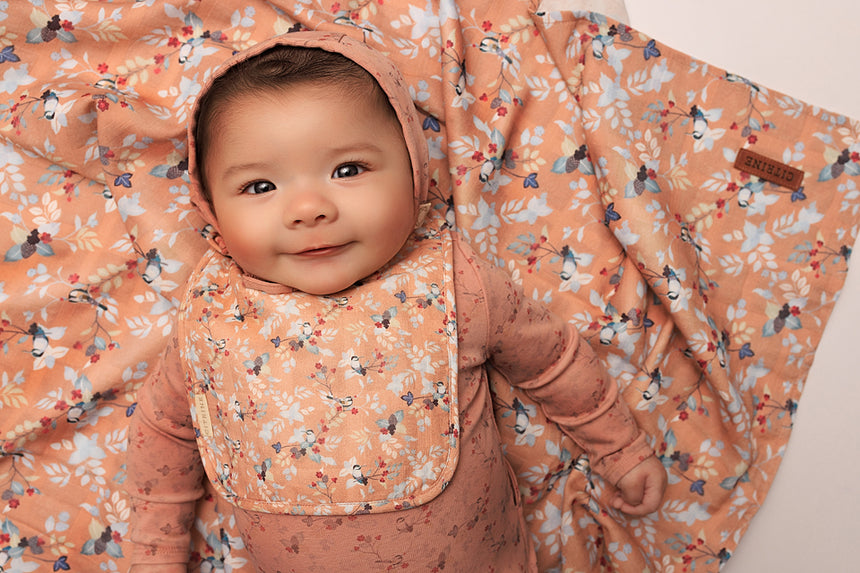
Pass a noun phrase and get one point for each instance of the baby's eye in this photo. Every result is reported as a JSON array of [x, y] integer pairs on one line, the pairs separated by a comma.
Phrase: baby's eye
[[258, 187], [348, 170]]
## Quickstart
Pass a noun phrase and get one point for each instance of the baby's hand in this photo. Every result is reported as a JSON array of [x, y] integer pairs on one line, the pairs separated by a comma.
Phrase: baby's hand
[[641, 489]]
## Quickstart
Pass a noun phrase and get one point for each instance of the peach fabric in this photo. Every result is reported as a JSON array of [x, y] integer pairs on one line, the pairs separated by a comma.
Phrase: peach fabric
[[592, 162]]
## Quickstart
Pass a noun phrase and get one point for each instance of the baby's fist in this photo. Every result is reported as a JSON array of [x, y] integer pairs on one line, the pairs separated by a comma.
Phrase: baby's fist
[[640, 491]]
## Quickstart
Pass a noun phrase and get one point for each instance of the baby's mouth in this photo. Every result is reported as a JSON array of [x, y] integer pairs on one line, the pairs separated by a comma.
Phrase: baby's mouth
[[322, 251]]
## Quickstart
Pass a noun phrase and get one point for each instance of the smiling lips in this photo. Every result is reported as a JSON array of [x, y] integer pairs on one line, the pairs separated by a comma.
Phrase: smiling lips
[[322, 251]]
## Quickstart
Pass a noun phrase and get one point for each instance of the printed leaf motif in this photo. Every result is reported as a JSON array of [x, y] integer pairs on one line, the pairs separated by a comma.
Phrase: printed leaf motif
[[13, 396]]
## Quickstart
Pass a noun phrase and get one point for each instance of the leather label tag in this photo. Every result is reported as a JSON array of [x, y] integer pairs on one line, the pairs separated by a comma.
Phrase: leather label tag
[[769, 169], [204, 422]]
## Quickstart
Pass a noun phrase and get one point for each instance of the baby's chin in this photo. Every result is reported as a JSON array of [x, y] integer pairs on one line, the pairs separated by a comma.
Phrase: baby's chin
[[325, 281], [331, 288]]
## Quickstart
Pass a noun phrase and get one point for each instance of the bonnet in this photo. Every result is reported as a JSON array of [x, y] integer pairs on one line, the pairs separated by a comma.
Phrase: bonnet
[[380, 67]]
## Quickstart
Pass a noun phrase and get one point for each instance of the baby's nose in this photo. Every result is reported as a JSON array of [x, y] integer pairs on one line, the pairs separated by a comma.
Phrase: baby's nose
[[309, 208]]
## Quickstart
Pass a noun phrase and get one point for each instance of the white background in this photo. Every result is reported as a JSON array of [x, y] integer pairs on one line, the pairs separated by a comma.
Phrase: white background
[[810, 521]]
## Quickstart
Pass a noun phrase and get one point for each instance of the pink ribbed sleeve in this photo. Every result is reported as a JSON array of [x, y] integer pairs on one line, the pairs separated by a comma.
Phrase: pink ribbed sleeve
[[164, 470], [544, 355]]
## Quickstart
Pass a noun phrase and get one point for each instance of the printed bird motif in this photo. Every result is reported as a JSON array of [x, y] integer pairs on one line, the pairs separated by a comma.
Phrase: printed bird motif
[[568, 263], [654, 384], [700, 122], [40, 340], [50, 104], [521, 419], [358, 476], [238, 412]]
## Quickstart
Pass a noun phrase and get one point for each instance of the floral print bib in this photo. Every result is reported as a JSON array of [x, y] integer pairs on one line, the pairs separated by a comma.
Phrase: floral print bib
[[329, 405]]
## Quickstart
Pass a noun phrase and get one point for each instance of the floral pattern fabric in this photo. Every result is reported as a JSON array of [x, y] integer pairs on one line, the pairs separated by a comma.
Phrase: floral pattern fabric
[[336, 405], [592, 162]]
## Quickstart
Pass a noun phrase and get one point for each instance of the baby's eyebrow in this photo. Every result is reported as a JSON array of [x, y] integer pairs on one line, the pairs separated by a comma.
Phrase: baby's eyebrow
[[242, 167], [363, 146], [345, 149]]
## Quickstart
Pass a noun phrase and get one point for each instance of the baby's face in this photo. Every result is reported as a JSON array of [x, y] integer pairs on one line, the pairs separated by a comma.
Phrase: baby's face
[[312, 188]]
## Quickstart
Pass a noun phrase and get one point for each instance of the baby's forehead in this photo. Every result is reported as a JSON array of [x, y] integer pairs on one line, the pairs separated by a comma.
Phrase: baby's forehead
[[317, 115], [358, 104]]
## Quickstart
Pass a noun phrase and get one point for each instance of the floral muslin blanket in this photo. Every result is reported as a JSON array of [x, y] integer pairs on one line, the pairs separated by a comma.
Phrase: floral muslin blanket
[[694, 225]]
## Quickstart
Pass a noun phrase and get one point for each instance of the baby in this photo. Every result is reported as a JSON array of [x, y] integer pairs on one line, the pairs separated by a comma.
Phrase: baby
[[329, 370]]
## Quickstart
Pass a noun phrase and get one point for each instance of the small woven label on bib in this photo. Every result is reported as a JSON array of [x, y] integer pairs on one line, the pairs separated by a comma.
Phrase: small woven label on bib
[[769, 169], [204, 422]]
